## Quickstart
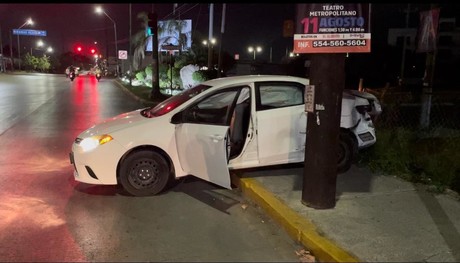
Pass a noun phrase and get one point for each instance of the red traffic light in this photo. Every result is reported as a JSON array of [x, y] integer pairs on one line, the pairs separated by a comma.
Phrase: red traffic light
[[79, 49], [93, 51]]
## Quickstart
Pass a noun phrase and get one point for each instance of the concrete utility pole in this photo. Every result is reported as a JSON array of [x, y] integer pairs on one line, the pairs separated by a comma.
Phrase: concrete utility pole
[[323, 128], [155, 93], [428, 81], [222, 29], [211, 20], [403, 58], [130, 55]]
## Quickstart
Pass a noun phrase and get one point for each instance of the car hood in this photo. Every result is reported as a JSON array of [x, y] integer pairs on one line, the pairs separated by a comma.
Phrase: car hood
[[115, 123]]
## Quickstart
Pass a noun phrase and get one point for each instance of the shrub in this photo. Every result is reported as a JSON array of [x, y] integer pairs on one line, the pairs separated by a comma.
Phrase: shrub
[[391, 153], [140, 76], [148, 71], [203, 75], [180, 62]]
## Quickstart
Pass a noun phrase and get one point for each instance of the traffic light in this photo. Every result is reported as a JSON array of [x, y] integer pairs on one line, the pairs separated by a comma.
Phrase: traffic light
[[93, 51], [152, 24], [79, 48]]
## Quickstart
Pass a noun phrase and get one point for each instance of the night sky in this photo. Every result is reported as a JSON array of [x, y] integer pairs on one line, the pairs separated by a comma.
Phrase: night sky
[[68, 24], [245, 24]]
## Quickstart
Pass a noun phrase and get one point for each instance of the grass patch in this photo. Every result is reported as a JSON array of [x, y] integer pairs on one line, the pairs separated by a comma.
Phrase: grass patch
[[140, 91], [432, 161], [143, 92]]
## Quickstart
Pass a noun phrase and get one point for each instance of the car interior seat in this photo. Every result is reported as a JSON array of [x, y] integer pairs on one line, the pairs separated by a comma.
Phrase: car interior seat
[[239, 127]]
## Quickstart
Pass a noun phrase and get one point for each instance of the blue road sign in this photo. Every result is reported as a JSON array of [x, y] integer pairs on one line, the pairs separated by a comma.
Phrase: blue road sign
[[29, 32]]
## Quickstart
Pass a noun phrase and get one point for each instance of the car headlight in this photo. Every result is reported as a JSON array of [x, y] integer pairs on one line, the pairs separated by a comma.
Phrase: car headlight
[[92, 142]]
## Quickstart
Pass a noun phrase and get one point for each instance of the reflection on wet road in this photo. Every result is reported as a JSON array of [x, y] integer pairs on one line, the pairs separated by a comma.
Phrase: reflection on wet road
[[46, 216]]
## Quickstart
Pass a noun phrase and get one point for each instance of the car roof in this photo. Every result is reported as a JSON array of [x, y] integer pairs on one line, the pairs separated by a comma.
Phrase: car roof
[[252, 78]]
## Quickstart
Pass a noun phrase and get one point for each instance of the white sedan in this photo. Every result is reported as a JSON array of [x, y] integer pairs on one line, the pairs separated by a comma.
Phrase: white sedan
[[221, 124]]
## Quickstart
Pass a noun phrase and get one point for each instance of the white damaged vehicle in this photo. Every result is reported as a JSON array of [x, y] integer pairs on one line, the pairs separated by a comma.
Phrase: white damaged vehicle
[[221, 124]]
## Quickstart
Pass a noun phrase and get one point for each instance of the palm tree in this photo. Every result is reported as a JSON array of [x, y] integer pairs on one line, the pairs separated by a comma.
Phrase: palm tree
[[139, 41]]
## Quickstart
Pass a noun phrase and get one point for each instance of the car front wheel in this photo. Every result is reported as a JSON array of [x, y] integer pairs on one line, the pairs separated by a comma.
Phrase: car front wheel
[[144, 173], [346, 152]]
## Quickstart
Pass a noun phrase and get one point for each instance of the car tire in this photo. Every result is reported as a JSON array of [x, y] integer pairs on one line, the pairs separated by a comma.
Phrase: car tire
[[346, 152], [144, 173]]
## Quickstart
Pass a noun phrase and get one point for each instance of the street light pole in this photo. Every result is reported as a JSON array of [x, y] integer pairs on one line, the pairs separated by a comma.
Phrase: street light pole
[[100, 10], [210, 45], [254, 50], [130, 56], [39, 45], [28, 22], [1, 50]]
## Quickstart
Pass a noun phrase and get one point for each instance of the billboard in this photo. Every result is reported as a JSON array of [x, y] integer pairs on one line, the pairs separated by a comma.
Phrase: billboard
[[333, 28], [173, 33]]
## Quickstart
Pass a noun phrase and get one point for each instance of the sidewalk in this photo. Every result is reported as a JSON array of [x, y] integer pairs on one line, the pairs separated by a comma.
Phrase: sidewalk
[[376, 218]]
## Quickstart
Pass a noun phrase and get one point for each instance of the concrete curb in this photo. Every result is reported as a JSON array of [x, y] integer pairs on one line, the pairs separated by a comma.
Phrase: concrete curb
[[298, 227], [143, 101]]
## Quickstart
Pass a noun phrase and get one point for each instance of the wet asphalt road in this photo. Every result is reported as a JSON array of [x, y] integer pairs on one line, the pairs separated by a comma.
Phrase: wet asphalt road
[[47, 216]]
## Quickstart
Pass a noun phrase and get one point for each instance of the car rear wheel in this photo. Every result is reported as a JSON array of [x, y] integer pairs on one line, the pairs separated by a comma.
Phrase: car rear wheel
[[144, 173], [346, 152]]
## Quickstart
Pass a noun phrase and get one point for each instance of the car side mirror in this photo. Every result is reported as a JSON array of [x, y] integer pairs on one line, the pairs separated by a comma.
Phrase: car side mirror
[[177, 118]]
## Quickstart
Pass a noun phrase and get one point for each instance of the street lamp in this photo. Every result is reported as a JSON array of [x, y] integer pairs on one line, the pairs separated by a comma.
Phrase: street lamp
[[212, 42], [210, 46], [40, 46], [40, 43], [254, 50], [28, 22], [99, 10]]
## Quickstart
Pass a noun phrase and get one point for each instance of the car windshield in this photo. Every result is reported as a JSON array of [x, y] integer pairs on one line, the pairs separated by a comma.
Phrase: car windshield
[[174, 101]]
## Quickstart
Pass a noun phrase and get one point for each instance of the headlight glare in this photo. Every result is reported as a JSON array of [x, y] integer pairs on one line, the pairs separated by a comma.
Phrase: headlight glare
[[92, 142]]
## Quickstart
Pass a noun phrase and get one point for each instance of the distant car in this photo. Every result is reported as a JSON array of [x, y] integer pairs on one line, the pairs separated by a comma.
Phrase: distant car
[[220, 124]]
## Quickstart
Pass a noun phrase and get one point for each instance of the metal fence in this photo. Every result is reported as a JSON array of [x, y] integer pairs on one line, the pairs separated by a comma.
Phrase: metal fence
[[429, 115], [418, 136]]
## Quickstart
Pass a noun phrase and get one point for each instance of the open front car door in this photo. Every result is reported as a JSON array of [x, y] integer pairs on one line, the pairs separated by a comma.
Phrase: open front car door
[[202, 137]]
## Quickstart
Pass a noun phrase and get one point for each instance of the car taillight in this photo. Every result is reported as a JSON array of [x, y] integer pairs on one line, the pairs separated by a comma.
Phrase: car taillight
[[364, 108]]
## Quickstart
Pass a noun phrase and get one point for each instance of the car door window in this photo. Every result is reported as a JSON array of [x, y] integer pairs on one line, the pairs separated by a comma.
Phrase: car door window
[[277, 95], [279, 110], [213, 110]]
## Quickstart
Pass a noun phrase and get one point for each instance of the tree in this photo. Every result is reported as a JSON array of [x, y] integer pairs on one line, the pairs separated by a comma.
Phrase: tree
[[34, 63], [30, 62], [43, 63], [139, 41]]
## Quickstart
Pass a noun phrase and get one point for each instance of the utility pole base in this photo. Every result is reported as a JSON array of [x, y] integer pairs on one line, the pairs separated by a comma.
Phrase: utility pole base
[[327, 75]]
